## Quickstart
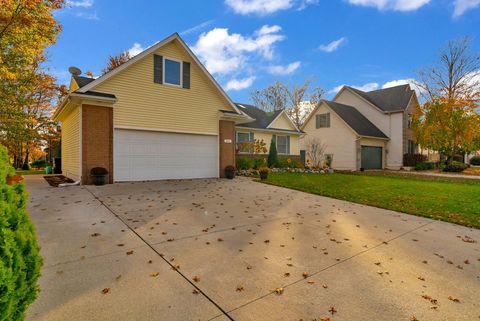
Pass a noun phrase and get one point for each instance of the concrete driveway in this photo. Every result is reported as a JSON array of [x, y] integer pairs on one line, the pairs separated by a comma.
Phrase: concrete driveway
[[239, 250]]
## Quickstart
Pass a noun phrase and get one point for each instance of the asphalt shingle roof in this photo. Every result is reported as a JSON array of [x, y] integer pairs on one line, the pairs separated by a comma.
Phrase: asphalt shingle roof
[[96, 93], [82, 81], [262, 119], [388, 99], [356, 120]]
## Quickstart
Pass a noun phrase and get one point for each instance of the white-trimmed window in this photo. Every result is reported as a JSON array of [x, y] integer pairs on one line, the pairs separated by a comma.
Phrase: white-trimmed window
[[283, 145], [322, 120], [172, 72], [244, 141]]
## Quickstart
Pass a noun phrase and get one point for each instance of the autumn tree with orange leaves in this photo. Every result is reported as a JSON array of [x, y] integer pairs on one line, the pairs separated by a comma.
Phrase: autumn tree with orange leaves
[[449, 120], [27, 91], [116, 61]]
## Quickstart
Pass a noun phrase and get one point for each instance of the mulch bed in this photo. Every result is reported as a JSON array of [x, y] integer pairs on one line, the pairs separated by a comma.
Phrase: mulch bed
[[55, 180]]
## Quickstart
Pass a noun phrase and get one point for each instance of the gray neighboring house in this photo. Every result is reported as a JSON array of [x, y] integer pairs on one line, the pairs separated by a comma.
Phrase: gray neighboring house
[[370, 130]]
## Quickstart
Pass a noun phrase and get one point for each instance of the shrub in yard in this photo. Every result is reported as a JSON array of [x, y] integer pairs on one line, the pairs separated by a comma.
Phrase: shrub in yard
[[245, 163], [475, 160], [38, 163], [20, 261], [260, 162], [455, 167], [424, 166], [272, 160], [411, 160]]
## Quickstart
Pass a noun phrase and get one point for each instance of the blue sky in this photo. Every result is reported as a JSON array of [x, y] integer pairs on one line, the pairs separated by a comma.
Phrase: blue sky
[[249, 44]]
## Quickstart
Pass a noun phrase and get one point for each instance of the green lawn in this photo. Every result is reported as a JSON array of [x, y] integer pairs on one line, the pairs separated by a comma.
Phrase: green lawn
[[452, 200], [30, 172]]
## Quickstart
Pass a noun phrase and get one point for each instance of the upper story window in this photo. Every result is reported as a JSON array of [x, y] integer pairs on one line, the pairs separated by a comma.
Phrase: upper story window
[[410, 121], [322, 120], [283, 145], [172, 72]]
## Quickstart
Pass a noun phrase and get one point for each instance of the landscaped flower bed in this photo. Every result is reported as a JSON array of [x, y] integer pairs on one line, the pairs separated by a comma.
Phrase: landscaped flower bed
[[254, 172]]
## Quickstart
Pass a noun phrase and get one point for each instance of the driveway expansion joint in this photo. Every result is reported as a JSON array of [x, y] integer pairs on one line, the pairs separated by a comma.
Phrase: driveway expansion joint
[[161, 256]]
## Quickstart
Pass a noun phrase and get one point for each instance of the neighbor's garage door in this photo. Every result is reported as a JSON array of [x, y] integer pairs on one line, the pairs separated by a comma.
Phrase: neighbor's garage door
[[146, 155], [371, 157]]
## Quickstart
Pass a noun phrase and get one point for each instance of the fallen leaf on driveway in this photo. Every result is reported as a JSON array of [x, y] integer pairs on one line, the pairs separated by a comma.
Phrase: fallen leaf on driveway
[[286, 274], [95, 234], [305, 275], [106, 290], [278, 291], [154, 274], [413, 318], [332, 310], [130, 252], [196, 279], [195, 291], [240, 288], [451, 298]]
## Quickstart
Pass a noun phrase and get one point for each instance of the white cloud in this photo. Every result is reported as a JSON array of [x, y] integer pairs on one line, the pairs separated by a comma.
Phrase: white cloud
[[80, 3], [197, 27], [266, 7], [224, 53], [88, 15], [462, 6], [410, 81], [398, 82], [239, 84], [284, 70], [260, 7], [306, 3], [135, 50], [397, 5], [332, 46], [366, 87]]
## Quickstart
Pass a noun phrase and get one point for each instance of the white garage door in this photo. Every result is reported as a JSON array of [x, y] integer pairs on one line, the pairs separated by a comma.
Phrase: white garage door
[[145, 155]]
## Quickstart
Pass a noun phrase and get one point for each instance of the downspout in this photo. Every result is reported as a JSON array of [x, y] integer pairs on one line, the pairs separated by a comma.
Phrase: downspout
[[358, 153]]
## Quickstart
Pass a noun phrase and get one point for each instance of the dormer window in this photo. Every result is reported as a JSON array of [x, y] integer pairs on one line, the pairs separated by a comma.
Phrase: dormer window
[[172, 72]]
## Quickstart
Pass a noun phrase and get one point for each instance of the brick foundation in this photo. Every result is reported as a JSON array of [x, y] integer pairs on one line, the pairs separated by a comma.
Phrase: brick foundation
[[97, 140], [227, 150]]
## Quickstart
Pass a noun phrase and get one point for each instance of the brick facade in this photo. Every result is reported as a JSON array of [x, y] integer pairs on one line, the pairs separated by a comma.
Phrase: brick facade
[[97, 140], [227, 149]]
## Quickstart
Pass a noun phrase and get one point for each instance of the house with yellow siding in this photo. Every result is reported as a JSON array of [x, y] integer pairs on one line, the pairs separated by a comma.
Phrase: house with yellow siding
[[160, 115], [267, 126]]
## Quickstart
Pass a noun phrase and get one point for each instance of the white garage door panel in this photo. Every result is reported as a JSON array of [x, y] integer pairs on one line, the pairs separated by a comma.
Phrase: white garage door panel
[[145, 155]]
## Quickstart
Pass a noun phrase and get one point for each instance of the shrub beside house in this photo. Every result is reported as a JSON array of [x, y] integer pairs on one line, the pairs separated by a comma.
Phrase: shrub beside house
[[20, 261]]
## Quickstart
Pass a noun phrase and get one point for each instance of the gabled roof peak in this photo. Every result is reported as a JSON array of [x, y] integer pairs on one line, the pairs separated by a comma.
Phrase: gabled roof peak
[[389, 99]]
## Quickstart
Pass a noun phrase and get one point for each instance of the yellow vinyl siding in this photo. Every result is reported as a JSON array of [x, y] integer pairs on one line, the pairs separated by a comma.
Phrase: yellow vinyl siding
[[267, 138], [148, 105], [282, 122], [73, 85], [71, 144]]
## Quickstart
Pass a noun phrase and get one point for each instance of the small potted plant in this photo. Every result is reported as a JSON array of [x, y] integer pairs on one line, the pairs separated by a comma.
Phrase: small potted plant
[[99, 175], [263, 172], [230, 172]]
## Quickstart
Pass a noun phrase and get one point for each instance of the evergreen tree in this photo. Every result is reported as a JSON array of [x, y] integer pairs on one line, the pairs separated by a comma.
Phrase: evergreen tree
[[272, 154]]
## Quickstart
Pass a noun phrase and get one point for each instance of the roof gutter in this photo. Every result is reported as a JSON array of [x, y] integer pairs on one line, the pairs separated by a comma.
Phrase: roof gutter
[[271, 130]]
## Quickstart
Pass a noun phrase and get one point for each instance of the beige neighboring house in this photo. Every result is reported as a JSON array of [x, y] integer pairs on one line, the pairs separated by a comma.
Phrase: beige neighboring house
[[160, 115], [267, 126], [369, 130]]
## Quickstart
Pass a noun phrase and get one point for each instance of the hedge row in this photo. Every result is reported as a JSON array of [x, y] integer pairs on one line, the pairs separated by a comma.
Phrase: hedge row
[[20, 261]]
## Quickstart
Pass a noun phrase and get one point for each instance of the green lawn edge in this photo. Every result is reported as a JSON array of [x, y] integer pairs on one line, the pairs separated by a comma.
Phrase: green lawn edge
[[458, 200]]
